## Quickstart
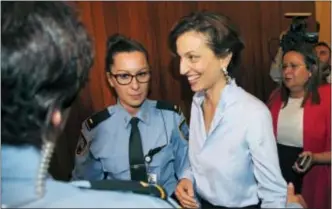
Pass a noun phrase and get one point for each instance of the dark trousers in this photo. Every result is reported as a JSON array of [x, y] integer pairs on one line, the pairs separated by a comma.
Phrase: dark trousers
[[207, 205], [287, 157]]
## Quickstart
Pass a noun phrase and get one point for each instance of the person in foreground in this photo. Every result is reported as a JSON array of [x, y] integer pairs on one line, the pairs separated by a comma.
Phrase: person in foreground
[[232, 149], [46, 55], [161, 154], [301, 113]]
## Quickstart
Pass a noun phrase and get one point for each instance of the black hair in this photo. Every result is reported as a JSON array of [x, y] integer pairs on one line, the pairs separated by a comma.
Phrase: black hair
[[118, 43], [222, 35], [46, 55]]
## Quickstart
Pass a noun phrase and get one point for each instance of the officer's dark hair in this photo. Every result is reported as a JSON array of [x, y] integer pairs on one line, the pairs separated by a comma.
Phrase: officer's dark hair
[[315, 80], [222, 35], [118, 43], [46, 55], [322, 43]]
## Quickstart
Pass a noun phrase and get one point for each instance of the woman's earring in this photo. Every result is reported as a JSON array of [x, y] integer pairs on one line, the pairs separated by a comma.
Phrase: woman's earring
[[228, 78]]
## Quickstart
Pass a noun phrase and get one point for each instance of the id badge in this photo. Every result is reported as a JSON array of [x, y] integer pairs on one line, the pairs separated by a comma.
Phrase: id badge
[[152, 178]]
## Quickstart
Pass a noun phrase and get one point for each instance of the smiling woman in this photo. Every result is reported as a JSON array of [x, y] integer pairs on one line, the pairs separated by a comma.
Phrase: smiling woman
[[232, 149], [196, 58], [213, 44]]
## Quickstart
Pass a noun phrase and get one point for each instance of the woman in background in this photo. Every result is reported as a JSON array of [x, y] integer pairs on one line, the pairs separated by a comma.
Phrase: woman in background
[[301, 112]]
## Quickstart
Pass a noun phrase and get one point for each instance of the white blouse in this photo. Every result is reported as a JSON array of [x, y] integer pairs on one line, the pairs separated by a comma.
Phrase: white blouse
[[290, 124]]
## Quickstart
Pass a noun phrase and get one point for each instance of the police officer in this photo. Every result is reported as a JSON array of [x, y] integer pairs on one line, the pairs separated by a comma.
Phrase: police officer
[[46, 55], [138, 138]]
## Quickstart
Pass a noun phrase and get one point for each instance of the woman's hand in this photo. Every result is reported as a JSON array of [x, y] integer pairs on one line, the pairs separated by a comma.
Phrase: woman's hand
[[185, 194], [294, 198]]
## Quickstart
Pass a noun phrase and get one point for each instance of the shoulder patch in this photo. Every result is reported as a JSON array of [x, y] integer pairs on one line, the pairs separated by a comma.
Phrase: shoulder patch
[[82, 145], [164, 105], [97, 118]]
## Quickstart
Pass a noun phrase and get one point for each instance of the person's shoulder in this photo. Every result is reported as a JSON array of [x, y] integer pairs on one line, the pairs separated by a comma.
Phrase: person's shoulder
[[167, 108], [325, 89], [105, 194], [125, 193], [249, 108], [172, 116], [325, 95], [249, 102], [112, 199], [275, 93], [98, 117]]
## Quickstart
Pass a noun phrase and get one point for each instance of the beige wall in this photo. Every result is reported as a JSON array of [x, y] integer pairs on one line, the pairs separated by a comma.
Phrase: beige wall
[[323, 15]]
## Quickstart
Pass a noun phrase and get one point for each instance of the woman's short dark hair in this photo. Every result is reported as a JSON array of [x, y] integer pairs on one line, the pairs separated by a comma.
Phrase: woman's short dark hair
[[118, 43], [46, 55], [222, 35], [313, 65]]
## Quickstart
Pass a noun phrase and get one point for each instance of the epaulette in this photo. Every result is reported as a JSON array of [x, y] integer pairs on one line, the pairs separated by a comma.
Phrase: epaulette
[[164, 105], [130, 186], [97, 118]]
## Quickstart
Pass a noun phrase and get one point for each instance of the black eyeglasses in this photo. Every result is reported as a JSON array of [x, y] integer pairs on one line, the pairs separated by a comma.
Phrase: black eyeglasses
[[126, 78]]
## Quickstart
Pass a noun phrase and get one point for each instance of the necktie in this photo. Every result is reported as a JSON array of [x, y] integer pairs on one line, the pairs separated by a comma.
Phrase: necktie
[[136, 156]]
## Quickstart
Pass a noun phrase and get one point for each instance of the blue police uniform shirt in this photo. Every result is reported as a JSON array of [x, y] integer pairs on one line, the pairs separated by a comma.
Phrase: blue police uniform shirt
[[18, 181], [235, 163], [108, 150]]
